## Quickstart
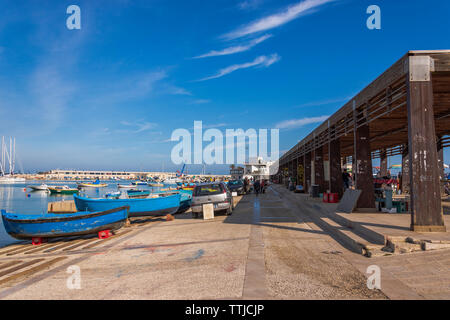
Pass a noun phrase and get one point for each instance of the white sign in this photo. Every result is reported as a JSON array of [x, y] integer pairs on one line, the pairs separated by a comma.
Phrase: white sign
[[208, 211]]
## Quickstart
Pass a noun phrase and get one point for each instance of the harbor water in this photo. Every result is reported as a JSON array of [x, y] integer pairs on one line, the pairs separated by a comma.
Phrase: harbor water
[[17, 198]]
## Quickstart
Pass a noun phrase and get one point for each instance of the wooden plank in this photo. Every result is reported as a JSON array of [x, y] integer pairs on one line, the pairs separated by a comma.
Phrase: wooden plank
[[21, 266], [32, 270], [348, 201]]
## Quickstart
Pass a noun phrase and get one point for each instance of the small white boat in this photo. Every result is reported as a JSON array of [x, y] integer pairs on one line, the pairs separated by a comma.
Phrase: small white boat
[[125, 186], [11, 180], [42, 187]]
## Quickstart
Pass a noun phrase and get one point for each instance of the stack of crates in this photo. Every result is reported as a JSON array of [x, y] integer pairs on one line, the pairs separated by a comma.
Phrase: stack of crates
[[400, 205]]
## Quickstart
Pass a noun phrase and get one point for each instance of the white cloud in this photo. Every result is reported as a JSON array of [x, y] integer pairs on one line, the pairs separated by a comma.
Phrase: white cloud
[[249, 4], [297, 123], [276, 20], [140, 126], [261, 61], [235, 49], [200, 101]]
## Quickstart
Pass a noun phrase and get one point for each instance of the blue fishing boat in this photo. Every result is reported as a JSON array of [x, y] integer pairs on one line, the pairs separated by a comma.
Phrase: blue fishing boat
[[158, 204], [48, 225], [185, 201], [139, 183]]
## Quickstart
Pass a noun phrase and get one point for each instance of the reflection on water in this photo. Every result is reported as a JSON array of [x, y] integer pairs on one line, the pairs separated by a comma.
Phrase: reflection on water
[[17, 198]]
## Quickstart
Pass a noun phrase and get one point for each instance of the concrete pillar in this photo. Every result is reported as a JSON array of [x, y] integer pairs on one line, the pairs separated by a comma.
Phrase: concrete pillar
[[363, 168], [383, 163], [426, 210], [307, 171], [336, 184]]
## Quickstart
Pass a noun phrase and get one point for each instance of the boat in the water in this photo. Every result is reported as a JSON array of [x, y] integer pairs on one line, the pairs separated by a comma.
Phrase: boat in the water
[[138, 193], [48, 225], [95, 184], [158, 204], [62, 189], [125, 186], [155, 184], [41, 187], [8, 157], [11, 180], [139, 183]]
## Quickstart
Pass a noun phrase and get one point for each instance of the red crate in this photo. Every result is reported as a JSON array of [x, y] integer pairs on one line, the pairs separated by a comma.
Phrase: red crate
[[104, 234], [333, 198], [38, 241], [325, 197]]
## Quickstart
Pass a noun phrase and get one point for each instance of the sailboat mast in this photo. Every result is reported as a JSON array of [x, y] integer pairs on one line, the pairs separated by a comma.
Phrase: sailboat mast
[[14, 156], [3, 156], [10, 155]]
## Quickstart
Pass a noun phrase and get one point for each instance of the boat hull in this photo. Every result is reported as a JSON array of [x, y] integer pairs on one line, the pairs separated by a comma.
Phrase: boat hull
[[39, 188], [138, 207], [52, 225], [63, 191], [92, 185]]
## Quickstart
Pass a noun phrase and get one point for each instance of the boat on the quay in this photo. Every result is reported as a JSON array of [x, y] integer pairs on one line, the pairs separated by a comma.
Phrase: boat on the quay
[[48, 225], [159, 204]]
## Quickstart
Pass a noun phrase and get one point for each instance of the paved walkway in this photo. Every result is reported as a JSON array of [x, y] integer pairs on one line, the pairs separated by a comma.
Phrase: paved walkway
[[268, 249], [417, 275]]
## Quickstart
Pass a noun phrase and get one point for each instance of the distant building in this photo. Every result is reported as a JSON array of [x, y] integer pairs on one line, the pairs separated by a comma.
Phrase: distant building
[[257, 168], [237, 173], [113, 175]]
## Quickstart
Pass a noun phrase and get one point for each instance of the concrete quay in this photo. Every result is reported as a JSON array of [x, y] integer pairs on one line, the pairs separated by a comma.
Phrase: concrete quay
[[272, 247]]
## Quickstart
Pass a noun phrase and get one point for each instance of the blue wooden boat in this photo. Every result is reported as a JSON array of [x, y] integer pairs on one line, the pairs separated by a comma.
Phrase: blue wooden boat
[[185, 201], [160, 204], [48, 225], [139, 183]]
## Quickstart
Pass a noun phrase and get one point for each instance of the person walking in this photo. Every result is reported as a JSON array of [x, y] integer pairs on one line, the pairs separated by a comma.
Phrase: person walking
[[256, 186], [346, 179]]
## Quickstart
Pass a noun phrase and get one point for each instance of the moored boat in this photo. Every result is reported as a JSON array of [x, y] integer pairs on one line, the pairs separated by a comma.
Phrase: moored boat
[[160, 204], [125, 186], [62, 190], [139, 183], [42, 187], [26, 226], [138, 193]]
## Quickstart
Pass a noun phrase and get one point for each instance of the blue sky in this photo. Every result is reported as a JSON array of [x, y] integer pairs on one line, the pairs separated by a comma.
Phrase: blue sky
[[108, 96]]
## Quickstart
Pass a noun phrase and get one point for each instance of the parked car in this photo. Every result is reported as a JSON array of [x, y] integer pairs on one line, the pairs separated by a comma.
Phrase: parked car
[[216, 193], [236, 186]]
